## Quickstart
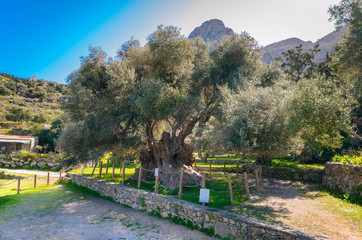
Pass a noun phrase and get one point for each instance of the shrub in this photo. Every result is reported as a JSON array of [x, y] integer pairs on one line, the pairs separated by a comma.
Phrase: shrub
[[26, 155], [346, 159]]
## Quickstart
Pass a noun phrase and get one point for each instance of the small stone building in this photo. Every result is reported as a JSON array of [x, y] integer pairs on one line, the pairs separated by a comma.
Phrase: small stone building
[[11, 143]]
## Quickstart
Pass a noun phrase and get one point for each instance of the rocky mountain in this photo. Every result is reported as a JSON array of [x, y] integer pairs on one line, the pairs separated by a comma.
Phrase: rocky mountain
[[326, 43], [212, 30]]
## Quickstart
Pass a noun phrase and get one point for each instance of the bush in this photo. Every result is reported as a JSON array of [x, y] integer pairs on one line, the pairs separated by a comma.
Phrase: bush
[[346, 159], [26, 155]]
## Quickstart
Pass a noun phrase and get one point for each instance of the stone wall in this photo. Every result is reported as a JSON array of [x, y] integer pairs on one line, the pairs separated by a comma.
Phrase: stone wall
[[312, 175], [222, 223], [343, 177], [42, 163]]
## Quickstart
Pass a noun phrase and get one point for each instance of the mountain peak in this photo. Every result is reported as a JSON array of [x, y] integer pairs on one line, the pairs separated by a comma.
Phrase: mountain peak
[[211, 30]]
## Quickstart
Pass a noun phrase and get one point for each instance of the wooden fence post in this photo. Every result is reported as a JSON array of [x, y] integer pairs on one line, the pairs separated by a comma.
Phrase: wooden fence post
[[18, 185], [203, 184], [139, 176], [60, 174], [94, 168], [210, 165], [107, 166], [237, 168], [114, 164], [156, 184], [123, 171], [181, 183], [195, 163], [247, 185], [48, 178], [257, 179], [224, 167], [100, 169], [35, 181], [230, 189]]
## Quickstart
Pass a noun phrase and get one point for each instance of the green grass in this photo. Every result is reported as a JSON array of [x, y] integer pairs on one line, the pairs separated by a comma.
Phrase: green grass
[[10, 186], [278, 162], [219, 195], [287, 162]]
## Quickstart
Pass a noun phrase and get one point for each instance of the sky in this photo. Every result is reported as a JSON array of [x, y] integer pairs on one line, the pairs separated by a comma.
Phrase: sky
[[47, 38]]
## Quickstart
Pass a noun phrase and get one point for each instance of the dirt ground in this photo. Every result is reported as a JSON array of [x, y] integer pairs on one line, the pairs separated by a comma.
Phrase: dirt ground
[[80, 216], [299, 206]]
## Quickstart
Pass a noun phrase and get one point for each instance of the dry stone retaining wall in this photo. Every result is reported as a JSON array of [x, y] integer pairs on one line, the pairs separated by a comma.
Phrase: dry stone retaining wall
[[42, 163], [343, 177], [222, 223]]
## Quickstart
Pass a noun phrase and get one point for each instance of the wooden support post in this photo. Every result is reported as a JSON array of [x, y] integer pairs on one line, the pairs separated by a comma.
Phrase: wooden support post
[[156, 185], [139, 176], [35, 181], [181, 183], [203, 184], [210, 165], [224, 167], [230, 189], [94, 168], [107, 166], [60, 174], [247, 185], [18, 185], [123, 171], [195, 164], [114, 165], [257, 179], [48, 178], [100, 169], [237, 168]]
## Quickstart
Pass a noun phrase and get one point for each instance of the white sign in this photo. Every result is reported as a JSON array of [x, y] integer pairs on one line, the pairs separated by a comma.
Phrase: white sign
[[156, 172], [204, 195]]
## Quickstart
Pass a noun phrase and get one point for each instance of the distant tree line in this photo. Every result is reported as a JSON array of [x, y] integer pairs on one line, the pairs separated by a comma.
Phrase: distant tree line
[[26, 87]]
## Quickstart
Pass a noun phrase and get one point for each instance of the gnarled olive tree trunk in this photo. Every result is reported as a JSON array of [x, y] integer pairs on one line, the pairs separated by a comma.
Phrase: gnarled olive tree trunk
[[170, 154]]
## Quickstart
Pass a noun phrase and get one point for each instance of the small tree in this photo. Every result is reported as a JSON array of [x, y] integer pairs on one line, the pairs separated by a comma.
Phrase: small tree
[[319, 110], [255, 119]]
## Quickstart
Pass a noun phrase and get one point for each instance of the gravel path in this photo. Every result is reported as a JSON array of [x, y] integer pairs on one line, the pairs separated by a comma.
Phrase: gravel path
[[299, 206], [32, 172], [87, 217]]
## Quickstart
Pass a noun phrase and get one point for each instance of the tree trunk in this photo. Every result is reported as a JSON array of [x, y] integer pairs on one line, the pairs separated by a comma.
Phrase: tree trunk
[[262, 158], [170, 154]]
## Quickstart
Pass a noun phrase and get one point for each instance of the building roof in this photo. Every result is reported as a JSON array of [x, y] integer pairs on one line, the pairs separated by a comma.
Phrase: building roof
[[13, 138]]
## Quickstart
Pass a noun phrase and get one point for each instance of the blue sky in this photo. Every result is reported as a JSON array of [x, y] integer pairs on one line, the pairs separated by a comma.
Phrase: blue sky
[[47, 38]]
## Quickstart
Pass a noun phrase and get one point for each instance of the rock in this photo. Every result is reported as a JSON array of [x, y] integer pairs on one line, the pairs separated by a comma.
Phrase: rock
[[212, 30], [308, 156], [221, 229]]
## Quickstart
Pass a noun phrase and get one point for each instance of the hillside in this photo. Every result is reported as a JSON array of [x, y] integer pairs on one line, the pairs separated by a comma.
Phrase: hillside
[[27, 104], [326, 43], [214, 30]]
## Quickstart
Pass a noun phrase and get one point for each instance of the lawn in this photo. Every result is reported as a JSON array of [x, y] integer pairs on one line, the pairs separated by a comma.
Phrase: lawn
[[9, 186], [277, 162]]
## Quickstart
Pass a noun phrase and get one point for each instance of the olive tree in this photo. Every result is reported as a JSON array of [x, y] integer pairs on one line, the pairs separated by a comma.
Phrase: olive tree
[[153, 97], [256, 120]]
